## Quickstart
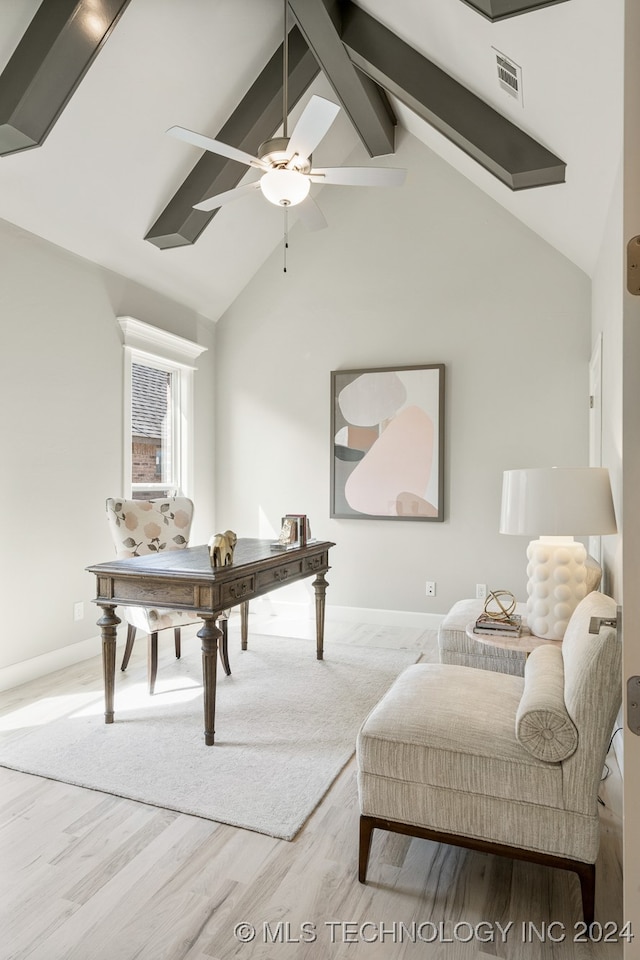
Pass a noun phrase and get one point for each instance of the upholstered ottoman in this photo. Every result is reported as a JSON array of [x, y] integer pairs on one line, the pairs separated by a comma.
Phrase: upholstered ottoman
[[456, 647]]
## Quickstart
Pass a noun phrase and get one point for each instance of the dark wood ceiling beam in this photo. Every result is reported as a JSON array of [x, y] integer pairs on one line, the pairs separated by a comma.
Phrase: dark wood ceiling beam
[[364, 102], [51, 59], [501, 9], [509, 153], [255, 119]]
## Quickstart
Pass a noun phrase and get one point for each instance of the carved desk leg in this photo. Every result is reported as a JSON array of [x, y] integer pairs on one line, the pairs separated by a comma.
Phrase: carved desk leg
[[108, 624], [244, 623], [209, 634], [320, 587]]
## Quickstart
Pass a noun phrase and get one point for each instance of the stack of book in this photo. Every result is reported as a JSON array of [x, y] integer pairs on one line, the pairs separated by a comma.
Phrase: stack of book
[[301, 527], [295, 532], [512, 626]]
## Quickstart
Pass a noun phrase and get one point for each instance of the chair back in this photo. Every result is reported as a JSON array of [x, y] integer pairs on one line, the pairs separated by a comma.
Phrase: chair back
[[140, 527], [592, 694]]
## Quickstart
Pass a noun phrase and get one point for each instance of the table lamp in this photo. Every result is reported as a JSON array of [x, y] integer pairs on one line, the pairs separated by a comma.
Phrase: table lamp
[[555, 504]]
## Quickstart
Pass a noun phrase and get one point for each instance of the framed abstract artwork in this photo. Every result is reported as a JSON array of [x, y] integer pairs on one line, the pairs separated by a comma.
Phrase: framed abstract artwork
[[387, 443]]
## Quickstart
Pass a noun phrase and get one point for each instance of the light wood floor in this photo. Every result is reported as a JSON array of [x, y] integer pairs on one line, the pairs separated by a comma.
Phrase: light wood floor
[[87, 876]]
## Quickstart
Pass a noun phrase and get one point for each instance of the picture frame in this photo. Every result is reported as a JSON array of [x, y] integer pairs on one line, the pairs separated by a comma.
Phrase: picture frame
[[387, 443]]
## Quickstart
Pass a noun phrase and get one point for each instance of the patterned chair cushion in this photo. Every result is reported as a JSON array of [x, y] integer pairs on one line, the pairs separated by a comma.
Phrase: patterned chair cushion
[[140, 527]]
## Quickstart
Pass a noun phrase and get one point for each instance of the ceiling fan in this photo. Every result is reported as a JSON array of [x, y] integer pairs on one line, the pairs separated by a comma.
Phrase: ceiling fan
[[285, 162]]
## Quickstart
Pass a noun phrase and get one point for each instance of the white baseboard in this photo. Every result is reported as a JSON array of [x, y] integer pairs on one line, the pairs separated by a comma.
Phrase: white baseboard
[[336, 614], [27, 670], [388, 618], [18, 673]]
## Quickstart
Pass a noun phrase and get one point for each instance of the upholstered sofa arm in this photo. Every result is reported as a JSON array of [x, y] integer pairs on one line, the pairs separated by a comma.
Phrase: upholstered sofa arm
[[543, 726]]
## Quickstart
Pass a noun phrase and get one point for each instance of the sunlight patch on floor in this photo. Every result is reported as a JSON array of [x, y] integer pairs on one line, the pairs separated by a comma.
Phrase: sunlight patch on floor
[[137, 696], [49, 708], [91, 703]]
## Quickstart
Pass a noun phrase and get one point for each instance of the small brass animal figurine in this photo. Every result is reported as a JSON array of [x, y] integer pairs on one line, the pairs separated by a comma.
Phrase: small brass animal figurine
[[221, 547]]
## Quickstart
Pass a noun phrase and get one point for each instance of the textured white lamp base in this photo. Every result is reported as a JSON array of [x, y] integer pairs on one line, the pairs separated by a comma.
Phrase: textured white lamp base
[[557, 583]]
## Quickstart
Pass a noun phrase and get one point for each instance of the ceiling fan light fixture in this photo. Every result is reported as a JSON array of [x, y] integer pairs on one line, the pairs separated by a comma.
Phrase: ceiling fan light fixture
[[285, 188]]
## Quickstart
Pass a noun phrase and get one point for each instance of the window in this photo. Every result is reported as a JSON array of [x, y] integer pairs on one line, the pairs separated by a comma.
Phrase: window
[[158, 411], [154, 434]]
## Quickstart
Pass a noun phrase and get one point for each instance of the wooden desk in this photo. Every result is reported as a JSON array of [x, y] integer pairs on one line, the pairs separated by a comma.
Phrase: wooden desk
[[185, 580]]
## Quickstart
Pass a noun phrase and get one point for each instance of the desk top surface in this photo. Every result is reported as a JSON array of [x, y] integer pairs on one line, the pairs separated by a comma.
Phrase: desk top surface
[[194, 562]]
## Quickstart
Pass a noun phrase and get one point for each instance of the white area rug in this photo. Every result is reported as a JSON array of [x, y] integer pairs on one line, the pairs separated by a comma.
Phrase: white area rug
[[286, 725]]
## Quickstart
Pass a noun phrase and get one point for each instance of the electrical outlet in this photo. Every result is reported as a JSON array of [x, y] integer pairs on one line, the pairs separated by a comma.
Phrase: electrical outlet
[[78, 610], [481, 591], [431, 588]]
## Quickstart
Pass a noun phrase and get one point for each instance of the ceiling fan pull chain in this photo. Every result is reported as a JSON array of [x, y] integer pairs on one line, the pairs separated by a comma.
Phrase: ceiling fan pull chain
[[286, 239]]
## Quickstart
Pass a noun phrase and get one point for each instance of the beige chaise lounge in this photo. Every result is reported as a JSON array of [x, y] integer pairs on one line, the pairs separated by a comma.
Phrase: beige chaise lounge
[[497, 762]]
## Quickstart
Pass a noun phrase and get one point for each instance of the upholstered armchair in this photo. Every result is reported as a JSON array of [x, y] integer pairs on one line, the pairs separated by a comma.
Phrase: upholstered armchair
[[140, 527], [499, 763]]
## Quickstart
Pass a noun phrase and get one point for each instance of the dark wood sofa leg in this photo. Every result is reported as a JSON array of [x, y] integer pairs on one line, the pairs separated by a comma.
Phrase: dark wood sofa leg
[[586, 871], [366, 834], [587, 875]]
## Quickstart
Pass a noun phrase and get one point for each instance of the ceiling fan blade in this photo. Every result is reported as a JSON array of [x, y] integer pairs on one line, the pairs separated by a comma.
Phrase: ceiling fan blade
[[216, 146], [359, 176], [311, 214], [218, 201], [314, 122]]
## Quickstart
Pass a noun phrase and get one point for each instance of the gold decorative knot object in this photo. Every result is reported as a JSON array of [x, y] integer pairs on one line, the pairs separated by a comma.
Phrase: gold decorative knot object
[[505, 602]]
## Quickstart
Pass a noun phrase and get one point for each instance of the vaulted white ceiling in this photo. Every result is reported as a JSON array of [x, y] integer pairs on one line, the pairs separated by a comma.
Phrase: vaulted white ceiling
[[107, 169]]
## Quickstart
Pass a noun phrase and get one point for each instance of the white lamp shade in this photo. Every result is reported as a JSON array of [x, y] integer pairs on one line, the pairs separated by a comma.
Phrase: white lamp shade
[[557, 501], [285, 188]]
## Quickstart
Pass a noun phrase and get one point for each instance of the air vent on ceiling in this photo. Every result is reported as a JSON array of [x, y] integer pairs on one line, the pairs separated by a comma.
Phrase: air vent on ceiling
[[509, 75]]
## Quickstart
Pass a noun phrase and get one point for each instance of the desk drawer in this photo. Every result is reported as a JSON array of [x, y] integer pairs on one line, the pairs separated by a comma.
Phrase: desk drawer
[[280, 575], [238, 590], [149, 593], [319, 562]]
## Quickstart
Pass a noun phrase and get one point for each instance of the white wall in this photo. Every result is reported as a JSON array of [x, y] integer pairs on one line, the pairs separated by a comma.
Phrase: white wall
[[607, 316], [61, 369], [433, 272], [607, 290]]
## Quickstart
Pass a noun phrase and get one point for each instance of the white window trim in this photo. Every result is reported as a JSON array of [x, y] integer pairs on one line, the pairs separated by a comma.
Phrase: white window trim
[[145, 343]]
